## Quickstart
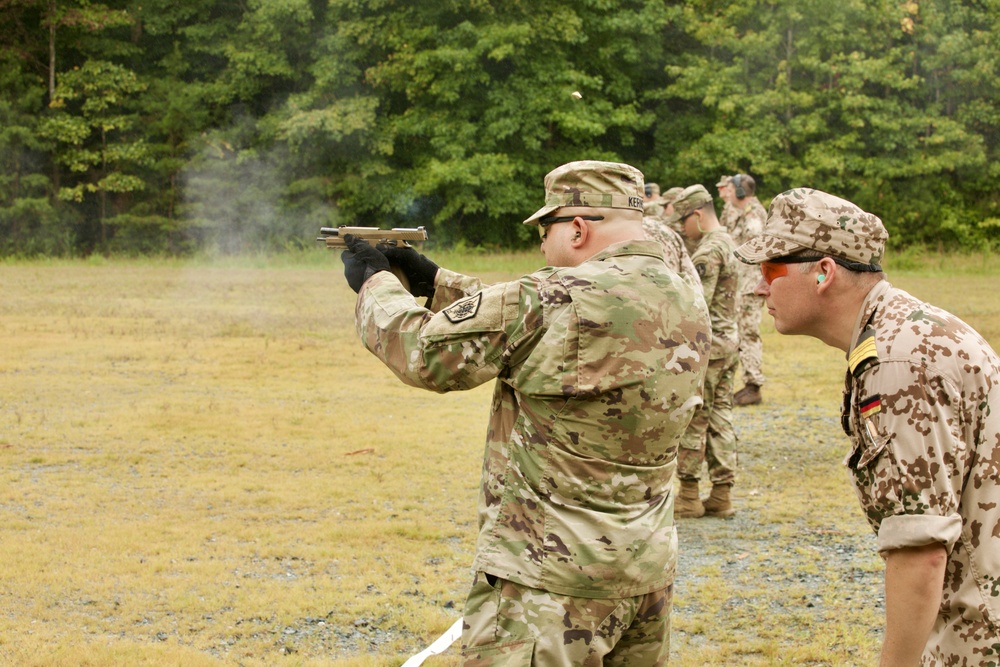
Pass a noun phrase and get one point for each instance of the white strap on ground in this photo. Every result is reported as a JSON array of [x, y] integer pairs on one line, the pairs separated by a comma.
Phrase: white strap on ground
[[440, 645]]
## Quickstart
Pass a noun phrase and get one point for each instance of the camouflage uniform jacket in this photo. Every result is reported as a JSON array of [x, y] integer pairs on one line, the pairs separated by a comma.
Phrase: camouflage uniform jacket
[[675, 254], [715, 262], [727, 217], [599, 369], [744, 225], [920, 395]]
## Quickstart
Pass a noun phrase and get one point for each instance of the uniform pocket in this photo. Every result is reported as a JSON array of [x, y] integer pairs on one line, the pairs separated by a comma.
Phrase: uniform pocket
[[507, 654]]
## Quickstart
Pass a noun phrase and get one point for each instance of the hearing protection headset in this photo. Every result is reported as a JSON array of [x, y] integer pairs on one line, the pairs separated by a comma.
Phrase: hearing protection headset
[[738, 189]]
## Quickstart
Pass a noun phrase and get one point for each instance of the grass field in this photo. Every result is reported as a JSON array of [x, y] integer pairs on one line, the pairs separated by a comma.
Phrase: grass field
[[200, 465]]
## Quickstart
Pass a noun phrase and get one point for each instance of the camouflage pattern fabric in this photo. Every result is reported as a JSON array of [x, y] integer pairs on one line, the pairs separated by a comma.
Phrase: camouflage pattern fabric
[[727, 217], [675, 254], [747, 224], [507, 624], [803, 218], [599, 369], [591, 183], [749, 308], [710, 437], [717, 269], [653, 208], [921, 398]]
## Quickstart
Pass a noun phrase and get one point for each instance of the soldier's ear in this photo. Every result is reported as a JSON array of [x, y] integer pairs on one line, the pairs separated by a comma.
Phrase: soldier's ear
[[580, 232]]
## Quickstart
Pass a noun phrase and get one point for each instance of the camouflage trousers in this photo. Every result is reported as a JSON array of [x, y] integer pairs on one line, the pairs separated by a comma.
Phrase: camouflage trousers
[[516, 626], [751, 349], [711, 437]]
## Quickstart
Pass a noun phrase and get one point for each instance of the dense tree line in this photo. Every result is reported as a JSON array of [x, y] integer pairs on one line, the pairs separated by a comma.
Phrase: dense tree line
[[158, 126]]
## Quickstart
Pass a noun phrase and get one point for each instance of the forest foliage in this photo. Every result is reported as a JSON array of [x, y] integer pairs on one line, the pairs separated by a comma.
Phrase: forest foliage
[[151, 126]]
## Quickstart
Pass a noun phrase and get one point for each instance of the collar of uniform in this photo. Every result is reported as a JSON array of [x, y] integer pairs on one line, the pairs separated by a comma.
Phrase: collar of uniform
[[631, 247], [868, 306]]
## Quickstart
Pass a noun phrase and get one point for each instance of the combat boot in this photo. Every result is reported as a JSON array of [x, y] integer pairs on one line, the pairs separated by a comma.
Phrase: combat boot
[[688, 505], [748, 395], [719, 503]]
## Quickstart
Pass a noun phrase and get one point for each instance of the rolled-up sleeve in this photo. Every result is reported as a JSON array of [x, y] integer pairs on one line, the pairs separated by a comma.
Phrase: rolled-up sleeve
[[917, 530]]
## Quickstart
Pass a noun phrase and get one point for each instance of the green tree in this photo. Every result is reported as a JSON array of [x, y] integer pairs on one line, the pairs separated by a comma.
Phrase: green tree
[[450, 113], [28, 221], [91, 122], [856, 98]]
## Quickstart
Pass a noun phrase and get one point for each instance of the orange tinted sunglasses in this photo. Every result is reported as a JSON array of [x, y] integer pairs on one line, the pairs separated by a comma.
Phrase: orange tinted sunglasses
[[772, 270], [778, 267]]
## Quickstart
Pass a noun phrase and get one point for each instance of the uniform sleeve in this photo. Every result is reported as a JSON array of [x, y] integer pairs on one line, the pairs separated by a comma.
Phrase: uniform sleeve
[[707, 267], [754, 225], [450, 286], [463, 345], [908, 461]]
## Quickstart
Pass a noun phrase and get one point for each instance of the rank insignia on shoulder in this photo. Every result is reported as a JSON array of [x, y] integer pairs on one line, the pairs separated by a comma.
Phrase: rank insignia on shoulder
[[864, 353], [463, 310], [870, 406]]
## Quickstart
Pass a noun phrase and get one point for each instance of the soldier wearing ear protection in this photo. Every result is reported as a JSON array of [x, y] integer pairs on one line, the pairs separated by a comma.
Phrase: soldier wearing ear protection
[[919, 406]]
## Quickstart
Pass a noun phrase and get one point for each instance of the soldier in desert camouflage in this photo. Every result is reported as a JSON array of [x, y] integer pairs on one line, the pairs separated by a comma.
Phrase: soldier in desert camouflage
[[920, 398], [598, 360]]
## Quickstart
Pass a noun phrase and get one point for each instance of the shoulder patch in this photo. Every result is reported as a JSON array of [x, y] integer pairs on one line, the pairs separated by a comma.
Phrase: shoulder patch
[[864, 353], [463, 310]]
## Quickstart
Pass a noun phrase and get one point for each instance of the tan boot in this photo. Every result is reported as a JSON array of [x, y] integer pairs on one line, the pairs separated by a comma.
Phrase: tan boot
[[748, 395], [719, 503], [688, 505]]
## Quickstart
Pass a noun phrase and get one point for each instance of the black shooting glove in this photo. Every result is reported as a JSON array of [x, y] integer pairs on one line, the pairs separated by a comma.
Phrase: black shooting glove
[[361, 261], [419, 270]]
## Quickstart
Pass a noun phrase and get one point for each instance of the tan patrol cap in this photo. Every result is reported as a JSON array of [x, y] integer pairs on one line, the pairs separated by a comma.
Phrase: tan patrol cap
[[724, 181], [806, 219], [591, 183]]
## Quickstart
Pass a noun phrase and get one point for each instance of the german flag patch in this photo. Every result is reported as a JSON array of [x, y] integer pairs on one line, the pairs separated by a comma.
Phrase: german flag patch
[[870, 406]]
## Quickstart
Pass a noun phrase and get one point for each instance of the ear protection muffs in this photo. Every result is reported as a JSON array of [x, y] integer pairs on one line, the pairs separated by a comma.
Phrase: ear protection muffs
[[738, 189]]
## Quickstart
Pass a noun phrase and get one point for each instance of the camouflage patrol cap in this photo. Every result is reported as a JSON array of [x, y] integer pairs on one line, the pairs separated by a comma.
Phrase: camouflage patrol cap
[[670, 195], [724, 181], [806, 219], [591, 183], [688, 200]]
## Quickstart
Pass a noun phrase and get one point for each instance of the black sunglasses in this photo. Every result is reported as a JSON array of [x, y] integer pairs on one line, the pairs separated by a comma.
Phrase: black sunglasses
[[551, 220], [802, 259]]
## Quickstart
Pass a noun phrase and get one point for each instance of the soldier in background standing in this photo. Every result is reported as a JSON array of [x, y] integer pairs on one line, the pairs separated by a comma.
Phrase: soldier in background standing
[[675, 253], [599, 360], [920, 407], [711, 437], [651, 200], [725, 190], [746, 222]]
